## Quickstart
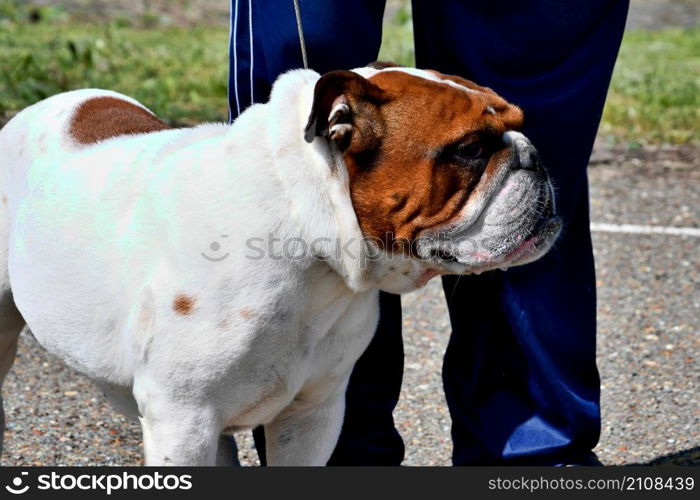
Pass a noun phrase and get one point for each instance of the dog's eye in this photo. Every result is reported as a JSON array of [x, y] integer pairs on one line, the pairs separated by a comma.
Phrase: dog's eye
[[470, 151]]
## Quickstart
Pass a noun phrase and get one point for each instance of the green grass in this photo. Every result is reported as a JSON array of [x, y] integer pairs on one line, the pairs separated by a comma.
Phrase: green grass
[[181, 73], [397, 39], [655, 92]]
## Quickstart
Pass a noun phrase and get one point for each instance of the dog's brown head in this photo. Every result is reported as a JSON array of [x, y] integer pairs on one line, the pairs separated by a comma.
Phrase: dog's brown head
[[438, 168]]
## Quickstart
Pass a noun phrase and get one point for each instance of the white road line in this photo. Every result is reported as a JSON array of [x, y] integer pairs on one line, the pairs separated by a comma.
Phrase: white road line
[[604, 227]]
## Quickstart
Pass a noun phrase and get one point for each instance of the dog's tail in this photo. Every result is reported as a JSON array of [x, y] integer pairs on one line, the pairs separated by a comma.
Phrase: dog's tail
[[11, 321]]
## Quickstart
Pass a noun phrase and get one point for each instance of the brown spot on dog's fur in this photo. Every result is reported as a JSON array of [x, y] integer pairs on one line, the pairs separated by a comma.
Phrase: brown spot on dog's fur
[[184, 304], [4, 199], [101, 118], [247, 313]]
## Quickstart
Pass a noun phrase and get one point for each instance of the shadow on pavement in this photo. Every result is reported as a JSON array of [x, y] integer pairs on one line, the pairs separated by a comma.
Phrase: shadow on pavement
[[689, 457]]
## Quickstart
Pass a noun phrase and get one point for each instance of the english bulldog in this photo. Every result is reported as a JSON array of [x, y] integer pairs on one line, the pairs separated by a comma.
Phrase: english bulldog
[[220, 277]]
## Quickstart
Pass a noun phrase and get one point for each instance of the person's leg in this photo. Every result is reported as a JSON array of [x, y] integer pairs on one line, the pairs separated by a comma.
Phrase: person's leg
[[520, 374], [338, 35]]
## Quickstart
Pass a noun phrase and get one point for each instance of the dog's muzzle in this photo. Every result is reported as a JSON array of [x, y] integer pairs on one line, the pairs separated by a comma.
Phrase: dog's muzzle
[[516, 225]]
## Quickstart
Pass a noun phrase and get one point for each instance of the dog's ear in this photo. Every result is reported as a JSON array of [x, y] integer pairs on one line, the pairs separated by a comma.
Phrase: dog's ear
[[346, 110]]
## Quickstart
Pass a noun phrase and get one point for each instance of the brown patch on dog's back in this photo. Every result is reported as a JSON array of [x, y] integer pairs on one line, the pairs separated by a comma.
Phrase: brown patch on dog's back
[[102, 118], [184, 304]]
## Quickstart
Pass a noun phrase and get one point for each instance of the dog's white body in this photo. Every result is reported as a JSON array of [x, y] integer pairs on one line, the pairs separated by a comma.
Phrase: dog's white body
[[207, 279], [263, 343]]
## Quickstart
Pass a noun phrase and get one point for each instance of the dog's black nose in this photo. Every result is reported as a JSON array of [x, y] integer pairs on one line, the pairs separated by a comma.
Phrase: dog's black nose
[[527, 157]]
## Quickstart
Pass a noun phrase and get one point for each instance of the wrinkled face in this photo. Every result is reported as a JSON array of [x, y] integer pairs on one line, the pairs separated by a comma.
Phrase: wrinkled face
[[439, 174]]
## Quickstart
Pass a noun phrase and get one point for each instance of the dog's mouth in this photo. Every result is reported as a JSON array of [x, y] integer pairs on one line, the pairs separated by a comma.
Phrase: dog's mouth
[[531, 248], [542, 236], [440, 255], [545, 234], [516, 243]]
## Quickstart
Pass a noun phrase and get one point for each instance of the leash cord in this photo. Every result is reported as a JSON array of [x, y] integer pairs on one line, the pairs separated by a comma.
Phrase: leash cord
[[297, 13]]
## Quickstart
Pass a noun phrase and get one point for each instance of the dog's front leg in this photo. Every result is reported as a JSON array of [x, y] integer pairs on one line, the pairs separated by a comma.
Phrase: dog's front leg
[[176, 432], [306, 436], [179, 438]]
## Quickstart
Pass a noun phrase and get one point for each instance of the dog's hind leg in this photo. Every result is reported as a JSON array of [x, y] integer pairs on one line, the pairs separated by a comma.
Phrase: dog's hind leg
[[11, 324], [11, 321]]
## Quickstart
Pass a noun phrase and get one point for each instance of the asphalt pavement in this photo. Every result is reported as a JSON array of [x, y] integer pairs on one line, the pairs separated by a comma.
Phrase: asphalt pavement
[[648, 345]]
